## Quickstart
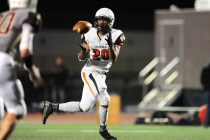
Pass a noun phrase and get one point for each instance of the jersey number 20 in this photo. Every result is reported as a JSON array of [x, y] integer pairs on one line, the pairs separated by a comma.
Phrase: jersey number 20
[[100, 54]]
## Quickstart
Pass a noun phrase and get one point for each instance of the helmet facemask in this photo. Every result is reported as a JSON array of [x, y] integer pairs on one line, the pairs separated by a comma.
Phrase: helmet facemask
[[103, 27]]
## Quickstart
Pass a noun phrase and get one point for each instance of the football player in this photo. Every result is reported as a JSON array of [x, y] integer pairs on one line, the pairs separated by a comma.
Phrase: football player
[[2, 110], [100, 48], [18, 26]]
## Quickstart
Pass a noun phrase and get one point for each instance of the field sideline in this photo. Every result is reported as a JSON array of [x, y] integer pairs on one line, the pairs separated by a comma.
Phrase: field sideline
[[64, 127]]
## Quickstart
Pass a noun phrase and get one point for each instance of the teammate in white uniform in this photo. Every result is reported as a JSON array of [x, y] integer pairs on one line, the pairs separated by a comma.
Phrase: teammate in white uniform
[[17, 29], [100, 47]]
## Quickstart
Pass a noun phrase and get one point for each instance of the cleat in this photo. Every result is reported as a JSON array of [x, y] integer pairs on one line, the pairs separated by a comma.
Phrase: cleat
[[47, 110], [106, 135]]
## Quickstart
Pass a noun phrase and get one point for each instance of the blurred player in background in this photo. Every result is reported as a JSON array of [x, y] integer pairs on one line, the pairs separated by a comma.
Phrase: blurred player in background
[[60, 79], [100, 48], [17, 29]]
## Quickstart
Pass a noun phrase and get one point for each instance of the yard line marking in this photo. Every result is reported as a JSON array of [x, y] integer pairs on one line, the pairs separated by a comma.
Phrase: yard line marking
[[94, 131]]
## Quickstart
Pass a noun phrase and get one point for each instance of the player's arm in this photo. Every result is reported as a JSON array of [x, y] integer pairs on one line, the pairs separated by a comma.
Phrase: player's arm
[[30, 26], [115, 47], [26, 47], [84, 49]]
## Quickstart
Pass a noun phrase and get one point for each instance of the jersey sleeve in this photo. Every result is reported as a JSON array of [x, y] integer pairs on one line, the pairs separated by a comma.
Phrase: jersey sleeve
[[120, 40], [35, 20]]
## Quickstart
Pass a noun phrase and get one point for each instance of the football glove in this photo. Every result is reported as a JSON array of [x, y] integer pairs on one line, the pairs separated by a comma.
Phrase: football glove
[[35, 76], [82, 47], [109, 39]]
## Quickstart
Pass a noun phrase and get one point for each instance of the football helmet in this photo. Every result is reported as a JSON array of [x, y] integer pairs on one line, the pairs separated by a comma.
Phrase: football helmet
[[107, 14], [32, 4]]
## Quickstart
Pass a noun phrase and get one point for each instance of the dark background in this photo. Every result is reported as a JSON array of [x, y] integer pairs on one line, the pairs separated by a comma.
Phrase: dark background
[[131, 15]]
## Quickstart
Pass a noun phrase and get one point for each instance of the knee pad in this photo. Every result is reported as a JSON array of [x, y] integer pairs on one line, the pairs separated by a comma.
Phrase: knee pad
[[105, 100]]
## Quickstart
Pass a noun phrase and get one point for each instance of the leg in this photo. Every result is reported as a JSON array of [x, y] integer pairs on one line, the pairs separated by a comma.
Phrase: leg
[[89, 94], [98, 81], [48, 109], [12, 95], [104, 100], [16, 109], [2, 111], [87, 101], [7, 126]]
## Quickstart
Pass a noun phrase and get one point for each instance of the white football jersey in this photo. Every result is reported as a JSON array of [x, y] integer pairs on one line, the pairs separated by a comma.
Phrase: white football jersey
[[99, 58], [11, 27]]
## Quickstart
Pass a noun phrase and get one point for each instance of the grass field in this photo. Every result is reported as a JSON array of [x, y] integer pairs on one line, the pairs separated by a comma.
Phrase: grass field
[[35, 131]]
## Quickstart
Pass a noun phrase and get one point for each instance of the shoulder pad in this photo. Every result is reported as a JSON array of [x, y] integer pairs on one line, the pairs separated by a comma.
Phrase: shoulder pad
[[35, 20], [120, 40]]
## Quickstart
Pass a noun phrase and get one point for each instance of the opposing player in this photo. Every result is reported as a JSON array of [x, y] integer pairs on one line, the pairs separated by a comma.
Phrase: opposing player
[[17, 29], [100, 48]]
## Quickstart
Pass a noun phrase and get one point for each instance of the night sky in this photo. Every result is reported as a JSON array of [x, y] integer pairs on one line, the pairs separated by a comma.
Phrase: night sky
[[130, 14]]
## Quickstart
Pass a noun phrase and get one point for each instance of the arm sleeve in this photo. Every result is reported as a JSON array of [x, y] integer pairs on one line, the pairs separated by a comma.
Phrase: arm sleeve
[[120, 40], [27, 38], [35, 20]]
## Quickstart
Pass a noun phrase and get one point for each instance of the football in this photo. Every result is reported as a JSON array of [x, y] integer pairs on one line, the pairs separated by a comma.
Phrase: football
[[82, 27]]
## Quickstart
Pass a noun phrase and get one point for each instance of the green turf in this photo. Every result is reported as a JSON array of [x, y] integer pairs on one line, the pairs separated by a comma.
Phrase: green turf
[[123, 132]]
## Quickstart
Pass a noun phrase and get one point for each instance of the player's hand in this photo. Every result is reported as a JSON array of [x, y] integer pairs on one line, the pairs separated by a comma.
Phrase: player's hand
[[109, 39], [82, 47], [35, 76]]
